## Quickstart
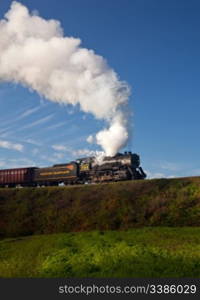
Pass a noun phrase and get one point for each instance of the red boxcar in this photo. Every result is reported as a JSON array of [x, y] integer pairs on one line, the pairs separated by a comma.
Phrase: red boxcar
[[12, 177]]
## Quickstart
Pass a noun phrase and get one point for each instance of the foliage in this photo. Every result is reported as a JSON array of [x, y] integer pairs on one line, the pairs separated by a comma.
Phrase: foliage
[[120, 205]]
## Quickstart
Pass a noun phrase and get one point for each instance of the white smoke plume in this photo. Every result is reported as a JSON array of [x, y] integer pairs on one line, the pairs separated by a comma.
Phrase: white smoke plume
[[35, 53]]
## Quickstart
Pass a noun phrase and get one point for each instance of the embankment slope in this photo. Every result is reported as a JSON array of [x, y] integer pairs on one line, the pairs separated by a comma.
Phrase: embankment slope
[[112, 206]]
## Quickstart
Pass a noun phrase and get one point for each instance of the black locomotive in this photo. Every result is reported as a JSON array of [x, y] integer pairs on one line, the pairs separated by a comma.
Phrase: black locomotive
[[84, 170], [120, 167]]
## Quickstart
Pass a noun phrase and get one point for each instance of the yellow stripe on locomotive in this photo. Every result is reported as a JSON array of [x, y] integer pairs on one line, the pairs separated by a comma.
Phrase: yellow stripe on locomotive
[[55, 173]]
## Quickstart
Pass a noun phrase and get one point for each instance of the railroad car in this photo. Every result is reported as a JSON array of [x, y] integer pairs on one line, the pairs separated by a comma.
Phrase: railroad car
[[18, 176], [66, 173]]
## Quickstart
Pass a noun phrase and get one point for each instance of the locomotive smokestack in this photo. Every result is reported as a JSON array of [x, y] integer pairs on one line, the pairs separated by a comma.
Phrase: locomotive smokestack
[[35, 53]]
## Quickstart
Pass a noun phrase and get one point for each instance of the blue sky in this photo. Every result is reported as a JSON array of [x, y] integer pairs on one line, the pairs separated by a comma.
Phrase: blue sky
[[154, 45]]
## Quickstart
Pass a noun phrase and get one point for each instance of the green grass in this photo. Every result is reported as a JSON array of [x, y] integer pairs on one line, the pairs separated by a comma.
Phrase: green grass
[[144, 252]]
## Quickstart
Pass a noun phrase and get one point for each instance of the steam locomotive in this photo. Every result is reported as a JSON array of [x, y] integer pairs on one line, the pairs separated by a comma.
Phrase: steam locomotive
[[84, 170]]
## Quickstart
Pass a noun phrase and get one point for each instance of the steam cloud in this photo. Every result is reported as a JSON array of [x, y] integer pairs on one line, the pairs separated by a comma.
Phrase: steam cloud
[[35, 53]]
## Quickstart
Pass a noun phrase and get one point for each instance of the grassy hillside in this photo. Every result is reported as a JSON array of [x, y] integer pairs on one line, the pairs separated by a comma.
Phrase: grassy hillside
[[121, 205], [147, 252]]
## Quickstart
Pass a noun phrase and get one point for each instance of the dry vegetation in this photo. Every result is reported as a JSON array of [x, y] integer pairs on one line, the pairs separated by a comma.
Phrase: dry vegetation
[[113, 206]]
